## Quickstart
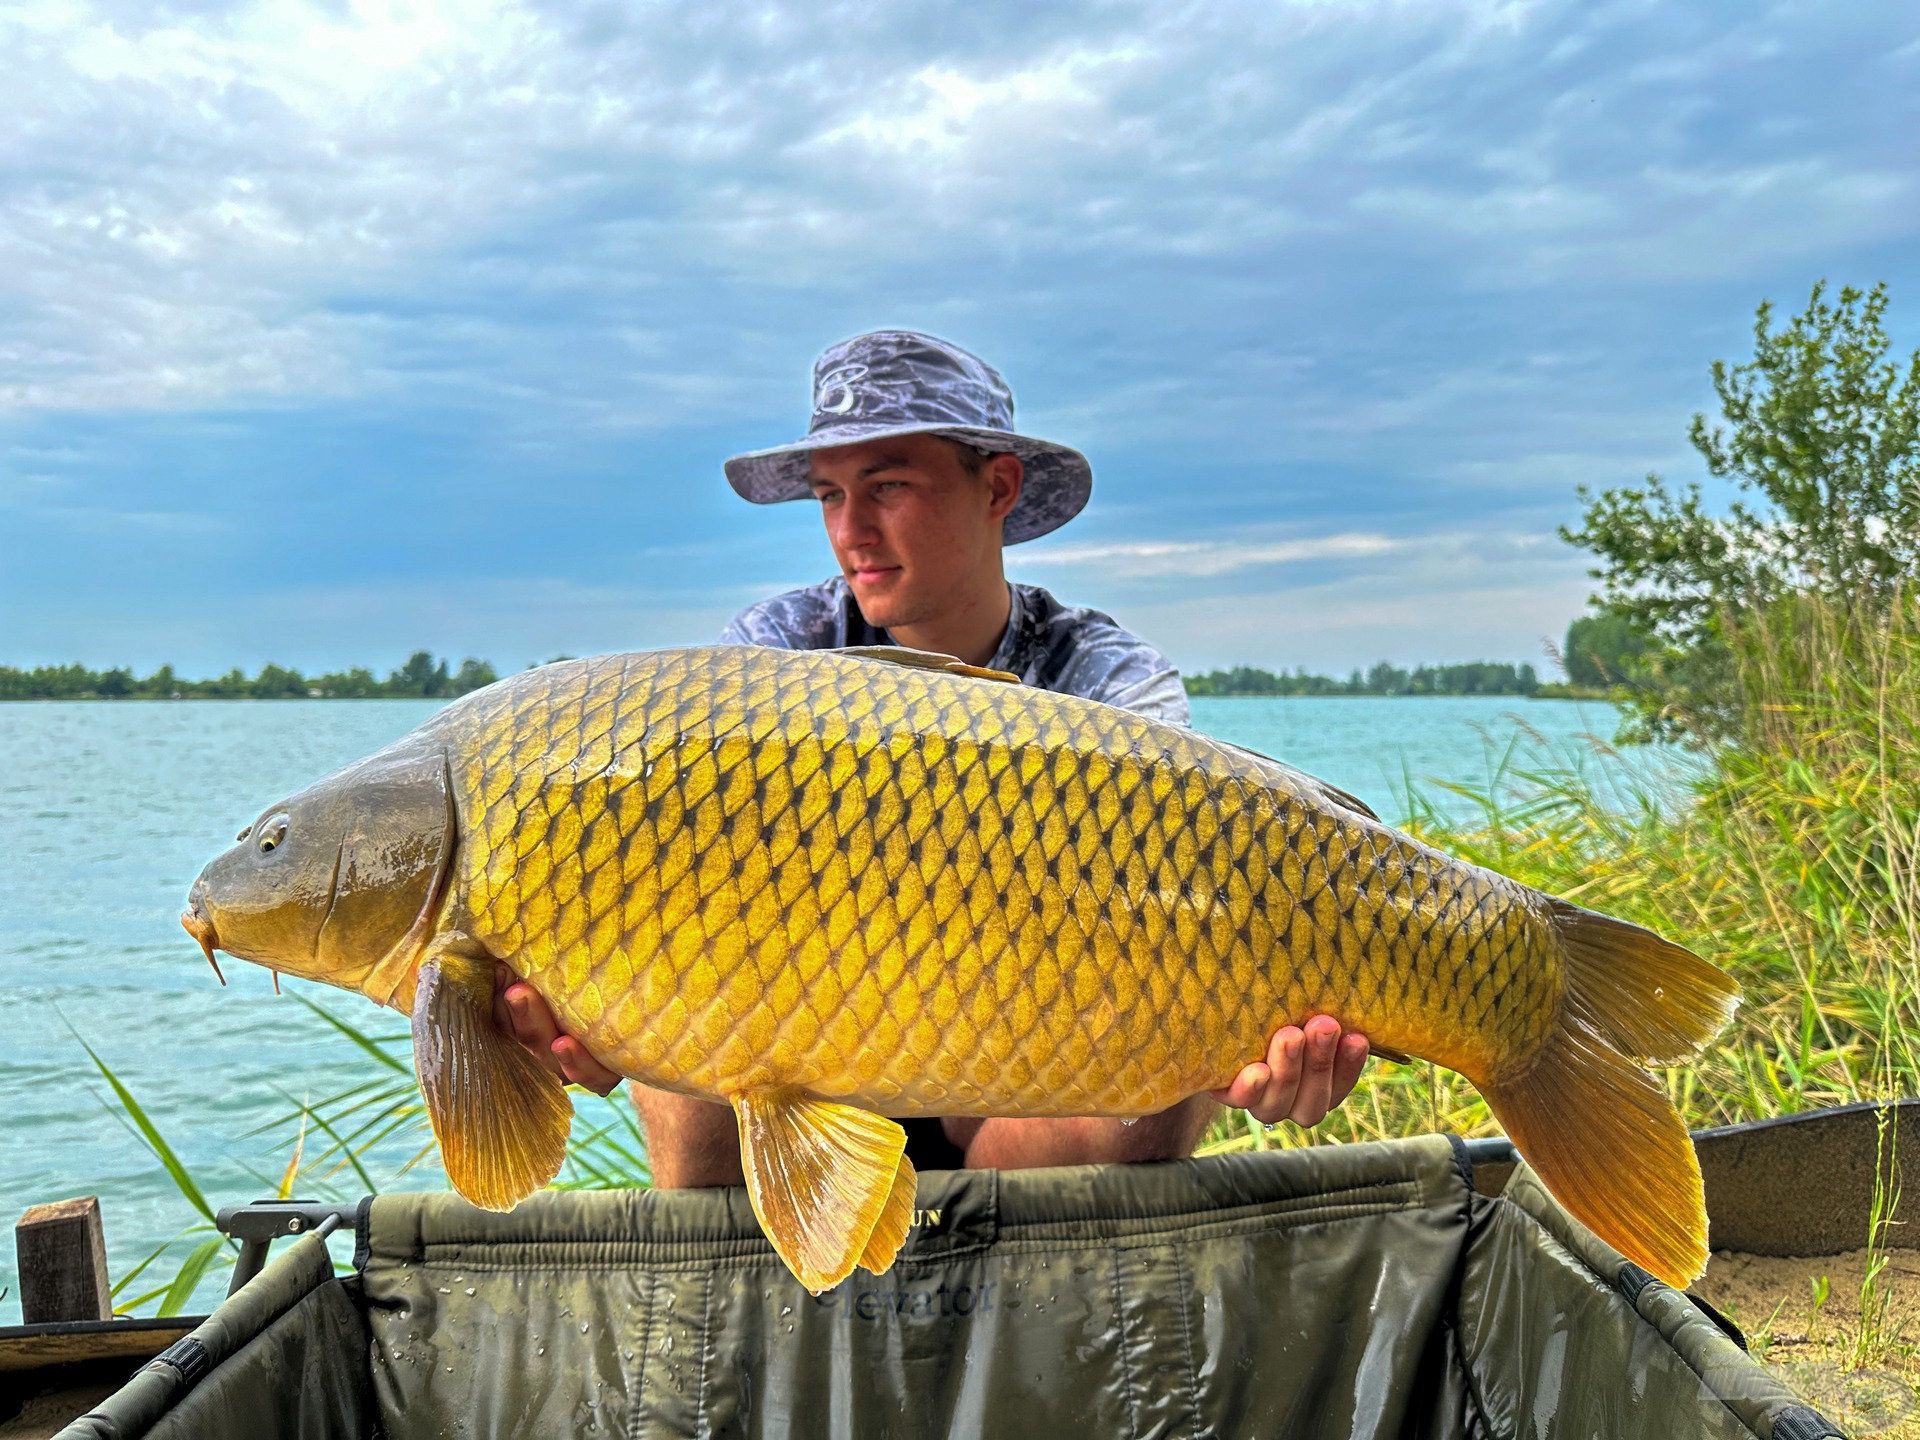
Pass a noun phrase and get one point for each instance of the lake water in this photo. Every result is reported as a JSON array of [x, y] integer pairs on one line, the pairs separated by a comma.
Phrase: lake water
[[108, 811]]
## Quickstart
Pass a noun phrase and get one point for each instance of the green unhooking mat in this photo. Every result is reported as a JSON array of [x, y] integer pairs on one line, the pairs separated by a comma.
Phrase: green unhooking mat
[[1355, 1290]]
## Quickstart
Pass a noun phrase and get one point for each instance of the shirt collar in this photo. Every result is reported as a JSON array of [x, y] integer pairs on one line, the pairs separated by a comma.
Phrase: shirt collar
[[1005, 655]]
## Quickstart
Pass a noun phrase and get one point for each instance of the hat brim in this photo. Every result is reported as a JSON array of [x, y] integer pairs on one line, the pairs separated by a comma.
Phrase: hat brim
[[1056, 488]]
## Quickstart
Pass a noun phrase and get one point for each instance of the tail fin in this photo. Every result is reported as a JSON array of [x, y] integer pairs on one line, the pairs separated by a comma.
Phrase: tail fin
[[1647, 996], [1596, 1127]]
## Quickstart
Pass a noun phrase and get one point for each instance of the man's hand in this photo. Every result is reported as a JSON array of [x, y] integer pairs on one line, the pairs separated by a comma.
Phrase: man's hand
[[1306, 1073], [690, 1143], [519, 1011]]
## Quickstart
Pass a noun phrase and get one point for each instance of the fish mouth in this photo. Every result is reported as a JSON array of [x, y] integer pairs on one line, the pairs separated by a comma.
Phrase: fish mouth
[[196, 924]]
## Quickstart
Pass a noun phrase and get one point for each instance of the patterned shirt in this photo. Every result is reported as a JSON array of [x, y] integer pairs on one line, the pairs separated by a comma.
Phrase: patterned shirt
[[1064, 648]]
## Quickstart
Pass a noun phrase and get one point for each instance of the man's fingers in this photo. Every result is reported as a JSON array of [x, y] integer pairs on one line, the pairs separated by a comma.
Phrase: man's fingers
[[1287, 1054], [1348, 1061], [1246, 1086], [532, 1021], [1306, 1073], [1315, 1096], [519, 1010], [1275, 1099], [580, 1068]]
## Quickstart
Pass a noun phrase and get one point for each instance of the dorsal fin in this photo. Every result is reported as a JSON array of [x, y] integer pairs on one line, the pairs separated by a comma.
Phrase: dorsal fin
[[1311, 783], [924, 660]]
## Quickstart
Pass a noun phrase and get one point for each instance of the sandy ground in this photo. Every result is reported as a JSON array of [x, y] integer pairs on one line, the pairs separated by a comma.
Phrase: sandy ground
[[1811, 1345]]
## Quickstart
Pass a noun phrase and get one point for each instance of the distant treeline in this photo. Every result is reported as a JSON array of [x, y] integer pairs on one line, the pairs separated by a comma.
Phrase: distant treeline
[[1473, 678], [422, 677]]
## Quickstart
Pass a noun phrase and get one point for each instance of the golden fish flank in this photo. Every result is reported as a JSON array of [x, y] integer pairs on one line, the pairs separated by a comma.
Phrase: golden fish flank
[[830, 887]]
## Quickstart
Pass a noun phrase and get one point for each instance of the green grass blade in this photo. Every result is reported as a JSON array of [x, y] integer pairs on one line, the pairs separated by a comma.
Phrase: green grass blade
[[373, 1045], [134, 1274], [176, 1170], [340, 1147], [188, 1278]]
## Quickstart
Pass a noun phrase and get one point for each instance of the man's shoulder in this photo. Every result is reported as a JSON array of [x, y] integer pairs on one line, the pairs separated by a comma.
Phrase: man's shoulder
[[1082, 651], [1066, 626], [1082, 622], [812, 617]]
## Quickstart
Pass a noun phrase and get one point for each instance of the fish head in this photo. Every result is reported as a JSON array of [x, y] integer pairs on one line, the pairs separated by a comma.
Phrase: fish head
[[340, 883]]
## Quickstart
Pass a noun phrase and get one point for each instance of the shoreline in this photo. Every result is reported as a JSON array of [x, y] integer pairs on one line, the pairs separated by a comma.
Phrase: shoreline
[[1557, 693]]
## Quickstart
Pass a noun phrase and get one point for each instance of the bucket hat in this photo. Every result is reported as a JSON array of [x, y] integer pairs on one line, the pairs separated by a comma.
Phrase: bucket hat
[[901, 382]]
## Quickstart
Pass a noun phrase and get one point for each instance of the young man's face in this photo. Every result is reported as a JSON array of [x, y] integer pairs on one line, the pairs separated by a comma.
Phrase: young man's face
[[912, 527]]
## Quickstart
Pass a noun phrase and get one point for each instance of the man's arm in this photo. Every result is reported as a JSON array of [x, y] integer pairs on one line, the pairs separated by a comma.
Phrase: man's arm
[[1306, 1073], [1008, 1144]]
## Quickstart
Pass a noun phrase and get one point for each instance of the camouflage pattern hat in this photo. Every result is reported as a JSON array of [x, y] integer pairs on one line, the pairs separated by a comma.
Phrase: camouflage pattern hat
[[900, 382]]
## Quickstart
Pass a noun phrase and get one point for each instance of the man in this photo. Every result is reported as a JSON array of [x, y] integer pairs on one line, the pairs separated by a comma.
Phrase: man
[[921, 480]]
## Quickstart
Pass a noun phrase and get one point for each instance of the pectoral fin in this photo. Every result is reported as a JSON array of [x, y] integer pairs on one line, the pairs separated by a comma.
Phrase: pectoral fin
[[830, 1183], [924, 660], [501, 1119]]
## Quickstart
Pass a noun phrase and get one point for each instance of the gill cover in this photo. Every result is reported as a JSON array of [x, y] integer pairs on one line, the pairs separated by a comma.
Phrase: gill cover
[[395, 850], [341, 882]]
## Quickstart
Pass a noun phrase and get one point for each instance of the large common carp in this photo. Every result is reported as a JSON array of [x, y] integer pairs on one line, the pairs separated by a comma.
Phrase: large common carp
[[829, 887]]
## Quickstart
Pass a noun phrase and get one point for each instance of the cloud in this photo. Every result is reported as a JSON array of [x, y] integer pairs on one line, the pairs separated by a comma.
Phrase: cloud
[[278, 201], [1189, 558], [461, 293], [1332, 627]]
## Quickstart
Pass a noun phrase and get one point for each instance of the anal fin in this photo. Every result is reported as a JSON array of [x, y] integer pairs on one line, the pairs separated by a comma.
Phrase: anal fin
[[826, 1181], [890, 1231], [501, 1119]]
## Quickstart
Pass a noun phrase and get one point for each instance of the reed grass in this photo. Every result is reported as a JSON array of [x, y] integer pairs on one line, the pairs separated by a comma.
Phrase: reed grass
[[335, 1149], [207, 1251], [1791, 860]]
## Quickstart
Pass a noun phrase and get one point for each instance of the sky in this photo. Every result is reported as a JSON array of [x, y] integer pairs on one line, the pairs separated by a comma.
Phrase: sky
[[333, 331]]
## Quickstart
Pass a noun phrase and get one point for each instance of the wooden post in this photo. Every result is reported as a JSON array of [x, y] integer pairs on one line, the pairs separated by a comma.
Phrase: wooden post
[[63, 1262]]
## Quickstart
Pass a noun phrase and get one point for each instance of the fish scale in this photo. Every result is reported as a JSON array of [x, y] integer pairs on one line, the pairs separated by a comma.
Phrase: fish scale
[[831, 887], [1137, 907]]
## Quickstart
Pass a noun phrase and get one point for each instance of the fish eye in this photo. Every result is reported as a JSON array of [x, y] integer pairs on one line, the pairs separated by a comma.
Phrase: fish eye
[[272, 832]]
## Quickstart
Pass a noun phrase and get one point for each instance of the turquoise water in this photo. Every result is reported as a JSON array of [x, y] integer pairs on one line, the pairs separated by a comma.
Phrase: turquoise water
[[108, 811]]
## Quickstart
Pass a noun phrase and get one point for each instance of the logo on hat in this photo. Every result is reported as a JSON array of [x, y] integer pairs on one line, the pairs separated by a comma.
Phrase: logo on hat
[[836, 395]]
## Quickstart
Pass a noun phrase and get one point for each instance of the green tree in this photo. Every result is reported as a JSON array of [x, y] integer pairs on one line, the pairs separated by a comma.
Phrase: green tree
[[1819, 436], [1386, 679], [419, 676], [1603, 649], [277, 683], [473, 675], [355, 684]]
